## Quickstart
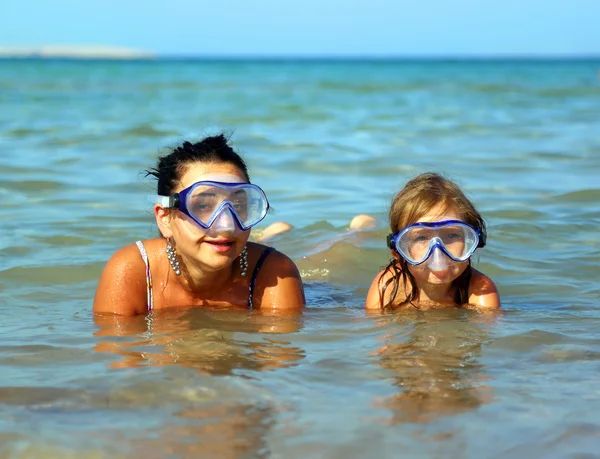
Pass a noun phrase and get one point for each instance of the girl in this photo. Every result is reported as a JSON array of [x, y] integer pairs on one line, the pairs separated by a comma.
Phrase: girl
[[204, 209], [435, 230]]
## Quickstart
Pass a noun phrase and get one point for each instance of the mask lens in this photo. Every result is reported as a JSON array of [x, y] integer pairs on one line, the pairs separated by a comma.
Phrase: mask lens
[[416, 241], [454, 238], [207, 200]]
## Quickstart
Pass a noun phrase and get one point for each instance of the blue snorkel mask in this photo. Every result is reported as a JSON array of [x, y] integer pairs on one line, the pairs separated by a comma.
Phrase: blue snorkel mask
[[430, 241], [215, 203]]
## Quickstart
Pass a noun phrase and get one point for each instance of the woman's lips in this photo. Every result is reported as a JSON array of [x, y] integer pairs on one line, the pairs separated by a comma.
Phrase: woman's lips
[[221, 245]]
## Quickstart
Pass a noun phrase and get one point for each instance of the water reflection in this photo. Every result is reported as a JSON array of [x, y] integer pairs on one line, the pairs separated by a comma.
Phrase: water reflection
[[221, 429], [230, 418], [225, 430], [433, 358], [213, 342]]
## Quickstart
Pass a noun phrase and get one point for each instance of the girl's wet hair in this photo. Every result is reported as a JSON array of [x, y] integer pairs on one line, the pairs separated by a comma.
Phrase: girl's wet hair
[[213, 149], [416, 199]]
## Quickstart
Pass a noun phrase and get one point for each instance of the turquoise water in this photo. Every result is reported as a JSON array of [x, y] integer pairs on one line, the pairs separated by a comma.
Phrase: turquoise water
[[326, 140]]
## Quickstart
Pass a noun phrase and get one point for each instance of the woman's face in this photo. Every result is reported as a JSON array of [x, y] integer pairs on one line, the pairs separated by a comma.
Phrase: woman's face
[[425, 275], [215, 248]]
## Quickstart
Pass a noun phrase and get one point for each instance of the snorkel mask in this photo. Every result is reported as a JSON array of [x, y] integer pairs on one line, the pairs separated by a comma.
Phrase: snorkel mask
[[219, 205], [440, 244]]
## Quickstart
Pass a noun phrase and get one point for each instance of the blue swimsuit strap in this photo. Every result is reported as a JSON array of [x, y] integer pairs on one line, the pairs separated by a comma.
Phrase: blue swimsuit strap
[[259, 263]]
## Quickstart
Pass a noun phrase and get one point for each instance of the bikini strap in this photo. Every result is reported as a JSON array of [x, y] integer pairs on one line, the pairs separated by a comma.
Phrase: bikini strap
[[259, 263], [149, 299]]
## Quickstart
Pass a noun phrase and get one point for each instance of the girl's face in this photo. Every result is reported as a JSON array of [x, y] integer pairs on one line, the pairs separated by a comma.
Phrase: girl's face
[[215, 248], [425, 275]]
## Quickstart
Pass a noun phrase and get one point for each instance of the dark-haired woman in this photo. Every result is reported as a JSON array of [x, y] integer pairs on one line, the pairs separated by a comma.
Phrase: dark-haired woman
[[205, 208]]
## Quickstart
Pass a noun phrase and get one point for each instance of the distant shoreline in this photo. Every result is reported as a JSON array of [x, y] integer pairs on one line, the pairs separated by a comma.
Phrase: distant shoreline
[[72, 52]]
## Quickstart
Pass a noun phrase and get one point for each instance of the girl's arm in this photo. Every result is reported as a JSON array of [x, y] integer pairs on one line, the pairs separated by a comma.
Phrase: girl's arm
[[483, 292], [373, 301]]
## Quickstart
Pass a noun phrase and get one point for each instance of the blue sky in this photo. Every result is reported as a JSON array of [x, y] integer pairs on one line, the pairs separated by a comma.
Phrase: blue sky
[[310, 27]]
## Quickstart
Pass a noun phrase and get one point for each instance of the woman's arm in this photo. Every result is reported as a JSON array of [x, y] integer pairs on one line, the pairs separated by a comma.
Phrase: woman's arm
[[122, 286], [278, 285]]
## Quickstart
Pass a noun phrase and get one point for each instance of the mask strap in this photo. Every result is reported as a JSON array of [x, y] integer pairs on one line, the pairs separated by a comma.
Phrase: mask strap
[[390, 241], [482, 238], [165, 201]]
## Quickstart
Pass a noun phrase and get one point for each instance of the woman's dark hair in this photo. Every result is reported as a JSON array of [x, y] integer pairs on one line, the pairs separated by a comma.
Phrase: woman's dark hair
[[212, 149]]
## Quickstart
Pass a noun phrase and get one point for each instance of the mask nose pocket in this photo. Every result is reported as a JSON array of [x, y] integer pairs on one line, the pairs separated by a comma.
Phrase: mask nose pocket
[[438, 260], [225, 222]]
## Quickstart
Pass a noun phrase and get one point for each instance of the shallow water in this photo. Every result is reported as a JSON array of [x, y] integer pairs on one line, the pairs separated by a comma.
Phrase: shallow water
[[326, 140]]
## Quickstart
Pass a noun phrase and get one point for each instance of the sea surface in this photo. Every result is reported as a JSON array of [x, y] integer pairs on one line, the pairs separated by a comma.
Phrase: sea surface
[[326, 140]]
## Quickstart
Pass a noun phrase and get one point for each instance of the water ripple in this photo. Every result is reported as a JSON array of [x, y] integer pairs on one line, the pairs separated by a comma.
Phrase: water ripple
[[326, 140]]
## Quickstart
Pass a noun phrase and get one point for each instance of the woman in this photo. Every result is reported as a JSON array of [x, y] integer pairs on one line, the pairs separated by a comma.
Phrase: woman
[[205, 209]]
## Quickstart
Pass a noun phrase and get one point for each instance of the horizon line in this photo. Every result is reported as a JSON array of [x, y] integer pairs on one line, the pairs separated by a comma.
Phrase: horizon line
[[106, 51], [303, 57]]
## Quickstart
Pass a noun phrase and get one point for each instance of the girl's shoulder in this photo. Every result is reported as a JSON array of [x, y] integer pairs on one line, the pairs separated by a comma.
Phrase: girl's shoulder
[[482, 291], [387, 284]]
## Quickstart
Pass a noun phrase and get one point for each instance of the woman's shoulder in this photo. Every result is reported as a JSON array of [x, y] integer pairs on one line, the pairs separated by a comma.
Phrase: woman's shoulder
[[483, 291], [123, 280], [278, 280], [133, 254], [272, 259]]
